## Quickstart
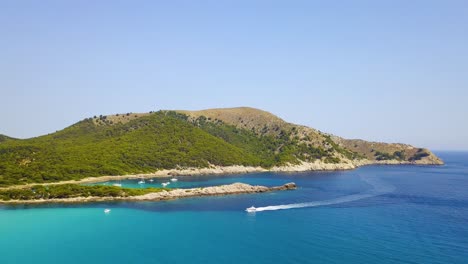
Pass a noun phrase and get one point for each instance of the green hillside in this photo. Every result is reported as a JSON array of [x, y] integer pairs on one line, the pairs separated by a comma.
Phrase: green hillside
[[5, 138], [161, 140], [143, 143], [157, 141]]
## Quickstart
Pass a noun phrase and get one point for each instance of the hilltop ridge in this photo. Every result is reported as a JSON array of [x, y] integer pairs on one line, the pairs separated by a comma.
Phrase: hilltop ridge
[[242, 117]]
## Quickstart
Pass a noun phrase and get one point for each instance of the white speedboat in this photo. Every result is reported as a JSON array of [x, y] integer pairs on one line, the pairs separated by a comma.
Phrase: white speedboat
[[106, 211], [151, 180], [174, 179], [141, 182], [117, 184], [164, 184], [251, 209]]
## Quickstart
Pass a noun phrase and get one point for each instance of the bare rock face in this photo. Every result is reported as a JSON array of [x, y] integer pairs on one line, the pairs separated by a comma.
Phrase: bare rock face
[[235, 188], [290, 186]]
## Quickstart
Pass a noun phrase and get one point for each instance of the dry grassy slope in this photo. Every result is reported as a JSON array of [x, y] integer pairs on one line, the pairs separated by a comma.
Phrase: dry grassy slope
[[259, 121], [117, 118], [368, 149], [263, 122], [243, 117]]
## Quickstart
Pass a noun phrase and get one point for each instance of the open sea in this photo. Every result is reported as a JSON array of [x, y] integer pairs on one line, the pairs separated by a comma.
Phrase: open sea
[[374, 214]]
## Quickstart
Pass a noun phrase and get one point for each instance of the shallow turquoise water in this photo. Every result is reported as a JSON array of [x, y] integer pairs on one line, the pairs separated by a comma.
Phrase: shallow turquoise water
[[406, 214]]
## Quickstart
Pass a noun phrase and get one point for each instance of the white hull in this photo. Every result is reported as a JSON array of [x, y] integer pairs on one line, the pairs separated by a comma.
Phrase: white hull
[[251, 209]]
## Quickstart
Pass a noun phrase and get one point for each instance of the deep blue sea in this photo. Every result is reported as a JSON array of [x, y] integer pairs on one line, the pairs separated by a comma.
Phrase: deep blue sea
[[374, 214]]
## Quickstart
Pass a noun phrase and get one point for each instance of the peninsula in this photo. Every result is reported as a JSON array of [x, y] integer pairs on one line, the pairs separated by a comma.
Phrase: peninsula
[[180, 142], [83, 194], [232, 140]]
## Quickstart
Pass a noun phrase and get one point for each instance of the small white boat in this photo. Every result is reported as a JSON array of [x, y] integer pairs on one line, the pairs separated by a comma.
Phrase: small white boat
[[117, 184], [174, 179], [164, 184], [251, 209], [141, 182], [151, 180], [106, 211]]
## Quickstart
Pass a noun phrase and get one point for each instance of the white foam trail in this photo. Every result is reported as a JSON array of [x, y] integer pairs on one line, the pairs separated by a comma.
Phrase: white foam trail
[[379, 188]]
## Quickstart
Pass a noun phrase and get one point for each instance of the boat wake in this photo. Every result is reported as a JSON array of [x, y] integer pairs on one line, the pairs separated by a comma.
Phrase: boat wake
[[378, 188]]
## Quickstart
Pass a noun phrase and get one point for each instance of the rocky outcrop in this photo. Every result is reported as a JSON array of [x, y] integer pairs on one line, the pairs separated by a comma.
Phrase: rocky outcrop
[[313, 166], [287, 186], [235, 188], [319, 165], [210, 170]]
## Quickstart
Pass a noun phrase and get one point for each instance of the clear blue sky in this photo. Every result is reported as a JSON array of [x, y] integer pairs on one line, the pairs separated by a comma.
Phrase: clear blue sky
[[393, 71]]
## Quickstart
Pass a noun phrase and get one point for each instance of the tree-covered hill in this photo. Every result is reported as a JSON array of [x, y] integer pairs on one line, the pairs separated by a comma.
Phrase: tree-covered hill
[[5, 138], [143, 143]]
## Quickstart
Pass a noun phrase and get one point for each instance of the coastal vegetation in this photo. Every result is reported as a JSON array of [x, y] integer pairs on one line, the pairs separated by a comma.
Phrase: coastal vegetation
[[70, 193], [419, 155], [398, 155], [384, 156], [157, 141], [62, 191]]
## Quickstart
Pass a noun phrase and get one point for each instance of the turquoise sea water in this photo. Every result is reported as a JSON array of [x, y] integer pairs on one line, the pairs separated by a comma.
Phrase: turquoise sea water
[[375, 214]]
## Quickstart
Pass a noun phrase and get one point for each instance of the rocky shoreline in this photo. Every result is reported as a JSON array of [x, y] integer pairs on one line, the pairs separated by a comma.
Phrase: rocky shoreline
[[350, 165], [236, 188], [239, 169], [230, 189]]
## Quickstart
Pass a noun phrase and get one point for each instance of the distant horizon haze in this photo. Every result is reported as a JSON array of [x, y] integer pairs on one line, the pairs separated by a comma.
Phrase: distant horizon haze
[[387, 71]]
